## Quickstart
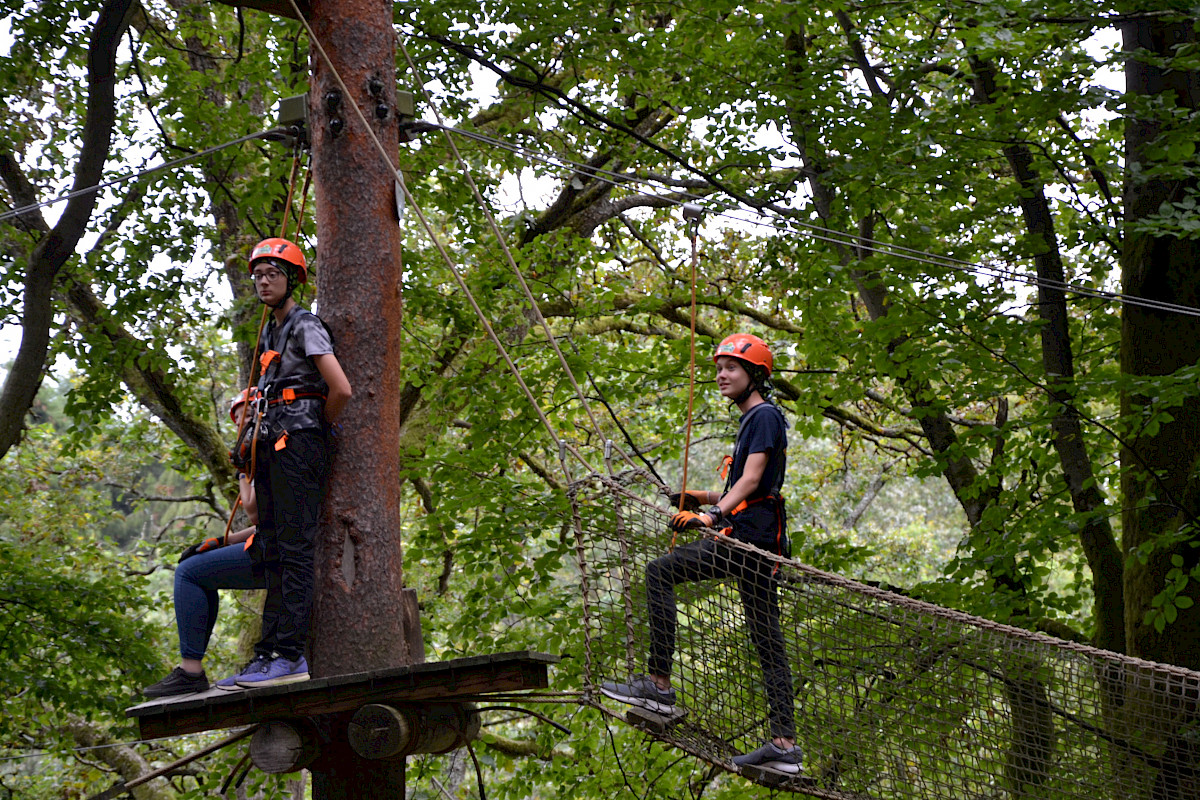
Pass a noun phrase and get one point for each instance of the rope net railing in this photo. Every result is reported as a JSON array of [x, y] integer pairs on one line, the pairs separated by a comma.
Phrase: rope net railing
[[892, 697]]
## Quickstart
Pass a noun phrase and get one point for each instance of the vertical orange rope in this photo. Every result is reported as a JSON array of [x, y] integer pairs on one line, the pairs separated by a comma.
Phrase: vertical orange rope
[[687, 435], [287, 204]]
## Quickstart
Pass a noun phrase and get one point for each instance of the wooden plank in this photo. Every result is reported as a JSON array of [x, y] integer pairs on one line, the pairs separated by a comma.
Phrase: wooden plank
[[438, 680]]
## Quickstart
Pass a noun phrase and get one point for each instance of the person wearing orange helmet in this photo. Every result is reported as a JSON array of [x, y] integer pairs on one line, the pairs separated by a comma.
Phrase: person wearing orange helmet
[[301, 391], [749, 509]]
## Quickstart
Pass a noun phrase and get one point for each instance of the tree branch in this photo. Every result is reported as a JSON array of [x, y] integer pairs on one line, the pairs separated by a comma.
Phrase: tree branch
[[52, 251]]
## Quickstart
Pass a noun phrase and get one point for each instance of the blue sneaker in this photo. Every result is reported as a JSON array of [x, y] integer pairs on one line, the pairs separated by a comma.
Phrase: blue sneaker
[[275, 671], [230, 684]]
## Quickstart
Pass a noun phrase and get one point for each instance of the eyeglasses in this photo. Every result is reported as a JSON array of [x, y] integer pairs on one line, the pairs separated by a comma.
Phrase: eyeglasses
[[268, 275]]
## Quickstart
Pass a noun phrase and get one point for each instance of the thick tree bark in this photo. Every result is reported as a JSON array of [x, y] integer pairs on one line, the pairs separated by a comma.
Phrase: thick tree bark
[[359, 621], [52, 251], [1159, 467]]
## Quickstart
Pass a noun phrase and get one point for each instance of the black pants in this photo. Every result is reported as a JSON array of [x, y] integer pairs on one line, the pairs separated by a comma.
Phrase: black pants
[[716, 558], [288, 486]]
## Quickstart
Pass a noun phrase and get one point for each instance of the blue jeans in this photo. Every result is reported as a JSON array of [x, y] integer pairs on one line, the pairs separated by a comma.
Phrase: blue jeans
[[196, 583]]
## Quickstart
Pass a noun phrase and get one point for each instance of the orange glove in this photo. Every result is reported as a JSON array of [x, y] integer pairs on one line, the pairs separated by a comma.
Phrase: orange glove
[[200, 547], [690, 519], [686, 519]]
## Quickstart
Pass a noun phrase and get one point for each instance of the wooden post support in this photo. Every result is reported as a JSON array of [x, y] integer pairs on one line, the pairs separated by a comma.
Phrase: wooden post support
[[380, 731], [281, 746], [362, 617]]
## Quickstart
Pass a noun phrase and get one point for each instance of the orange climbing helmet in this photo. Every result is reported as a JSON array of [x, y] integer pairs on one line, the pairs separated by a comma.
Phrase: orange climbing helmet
[[746, 347], [238, 400], [285, 251]]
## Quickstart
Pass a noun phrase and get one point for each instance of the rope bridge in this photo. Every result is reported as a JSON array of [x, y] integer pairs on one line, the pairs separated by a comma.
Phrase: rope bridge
[[894, 697]]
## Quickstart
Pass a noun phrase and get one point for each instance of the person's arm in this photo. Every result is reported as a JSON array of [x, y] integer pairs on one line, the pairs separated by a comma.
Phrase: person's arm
[[237, 537], [249, 501], [756, 464], [339, 386]]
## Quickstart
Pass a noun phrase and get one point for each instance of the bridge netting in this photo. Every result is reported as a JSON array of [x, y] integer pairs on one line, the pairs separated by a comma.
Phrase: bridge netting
[[893, 697]]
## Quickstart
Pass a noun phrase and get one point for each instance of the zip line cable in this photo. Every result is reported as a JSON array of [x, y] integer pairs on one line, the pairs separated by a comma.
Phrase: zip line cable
[[275, 133], [831, 236], [533, 305], [816, 232]]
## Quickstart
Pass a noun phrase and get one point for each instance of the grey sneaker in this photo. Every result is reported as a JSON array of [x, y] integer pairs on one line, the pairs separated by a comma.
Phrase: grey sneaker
[[641, 691], [771, 757]]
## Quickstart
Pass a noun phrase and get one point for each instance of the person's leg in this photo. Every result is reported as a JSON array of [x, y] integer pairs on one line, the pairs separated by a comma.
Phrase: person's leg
[[267, 551], [196, 600], [691, 562], [761, 602], [297, 482], [298, 494], [197, 580], [696, 561]]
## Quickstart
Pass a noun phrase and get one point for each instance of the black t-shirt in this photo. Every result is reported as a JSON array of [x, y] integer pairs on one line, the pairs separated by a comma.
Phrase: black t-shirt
[[763, 430]]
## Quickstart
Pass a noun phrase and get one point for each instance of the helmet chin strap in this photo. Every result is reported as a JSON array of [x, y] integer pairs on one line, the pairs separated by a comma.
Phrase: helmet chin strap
[[744, 396]]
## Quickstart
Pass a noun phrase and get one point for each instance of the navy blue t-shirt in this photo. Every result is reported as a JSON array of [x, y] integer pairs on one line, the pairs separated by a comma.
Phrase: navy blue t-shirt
[[763, 430]]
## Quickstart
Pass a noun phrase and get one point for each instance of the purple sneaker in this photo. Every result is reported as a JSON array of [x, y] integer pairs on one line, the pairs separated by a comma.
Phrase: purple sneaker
[[230, 684], [273, 672]]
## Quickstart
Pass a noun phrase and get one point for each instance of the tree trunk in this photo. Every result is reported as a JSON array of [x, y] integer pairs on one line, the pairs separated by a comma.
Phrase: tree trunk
[[363, 618], [1159, 466], [1058, 363], [52, 251]]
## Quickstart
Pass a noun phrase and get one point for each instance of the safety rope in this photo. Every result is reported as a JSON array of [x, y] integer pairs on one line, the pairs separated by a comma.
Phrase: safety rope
[[692, 220]]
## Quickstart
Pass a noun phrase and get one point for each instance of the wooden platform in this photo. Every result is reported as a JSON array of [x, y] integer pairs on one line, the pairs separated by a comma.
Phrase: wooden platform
[[435, 680]]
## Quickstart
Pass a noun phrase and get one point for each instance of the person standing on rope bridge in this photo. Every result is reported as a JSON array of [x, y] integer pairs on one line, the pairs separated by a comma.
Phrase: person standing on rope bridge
[[750, 509]]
